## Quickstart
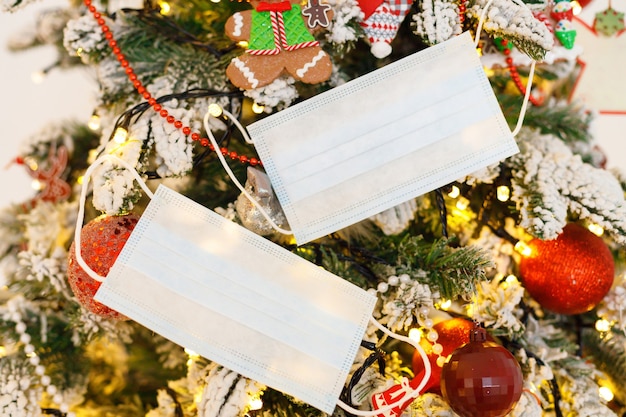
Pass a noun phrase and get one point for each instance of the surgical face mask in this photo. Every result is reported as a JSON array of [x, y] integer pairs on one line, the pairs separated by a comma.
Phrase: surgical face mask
[[382, 139], [234, 297]]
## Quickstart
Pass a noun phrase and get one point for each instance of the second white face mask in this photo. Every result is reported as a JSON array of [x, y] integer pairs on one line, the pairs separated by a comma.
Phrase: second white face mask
[[238, 299], [379, 140]]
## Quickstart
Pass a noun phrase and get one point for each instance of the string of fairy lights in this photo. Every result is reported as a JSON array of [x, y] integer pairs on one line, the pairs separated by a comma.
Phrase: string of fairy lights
[[461, 210]]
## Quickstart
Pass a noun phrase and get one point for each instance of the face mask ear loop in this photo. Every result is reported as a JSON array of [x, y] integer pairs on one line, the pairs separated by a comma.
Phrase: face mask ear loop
[[522, 113], [232, 175], [410, 392], [81, 206], [531, 73], [245, 135]]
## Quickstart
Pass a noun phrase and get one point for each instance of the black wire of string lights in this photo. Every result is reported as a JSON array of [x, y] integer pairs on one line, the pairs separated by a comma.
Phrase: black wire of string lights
[[130, 116]]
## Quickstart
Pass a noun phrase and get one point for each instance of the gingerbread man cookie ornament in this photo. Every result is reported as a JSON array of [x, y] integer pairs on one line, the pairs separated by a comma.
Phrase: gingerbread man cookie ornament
[[279, 41]]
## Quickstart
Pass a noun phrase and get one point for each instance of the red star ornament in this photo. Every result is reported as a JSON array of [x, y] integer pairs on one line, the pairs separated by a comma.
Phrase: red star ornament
[[600, 83]]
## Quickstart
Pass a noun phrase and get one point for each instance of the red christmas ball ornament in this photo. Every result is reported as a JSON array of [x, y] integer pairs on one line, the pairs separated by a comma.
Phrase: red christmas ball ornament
[[101, 241], [452, 334], [481, 378], [570, 274]]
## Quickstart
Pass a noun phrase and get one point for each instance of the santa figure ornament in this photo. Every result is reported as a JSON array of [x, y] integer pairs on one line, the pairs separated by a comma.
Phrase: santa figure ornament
[[396, 393], [381, 21], [101, 241]]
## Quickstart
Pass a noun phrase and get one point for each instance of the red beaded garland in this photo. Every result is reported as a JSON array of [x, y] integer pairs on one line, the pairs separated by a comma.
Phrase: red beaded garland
[[536, 101], [462, 12], [518, 83], [146, 95]]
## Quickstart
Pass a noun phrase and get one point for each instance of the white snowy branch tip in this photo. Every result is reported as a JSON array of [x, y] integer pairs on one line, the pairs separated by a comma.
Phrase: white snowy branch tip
[[550, 182]]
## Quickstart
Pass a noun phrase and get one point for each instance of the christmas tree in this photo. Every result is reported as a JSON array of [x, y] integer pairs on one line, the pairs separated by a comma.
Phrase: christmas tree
[[506, 280]]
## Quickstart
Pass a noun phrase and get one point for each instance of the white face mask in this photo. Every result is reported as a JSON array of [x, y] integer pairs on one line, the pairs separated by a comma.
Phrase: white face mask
[[379, 140], [238, 299]]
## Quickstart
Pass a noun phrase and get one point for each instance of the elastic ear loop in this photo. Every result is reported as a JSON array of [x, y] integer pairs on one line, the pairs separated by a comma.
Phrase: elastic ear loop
[[81, 206], [232, 175], [531, 72], [410, 392]]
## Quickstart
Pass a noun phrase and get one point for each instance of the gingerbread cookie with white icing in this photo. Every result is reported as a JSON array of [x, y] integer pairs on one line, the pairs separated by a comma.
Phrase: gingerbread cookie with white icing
[[279, 41]]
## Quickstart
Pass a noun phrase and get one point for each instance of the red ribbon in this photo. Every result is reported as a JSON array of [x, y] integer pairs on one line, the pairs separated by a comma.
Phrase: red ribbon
[[282, 6]]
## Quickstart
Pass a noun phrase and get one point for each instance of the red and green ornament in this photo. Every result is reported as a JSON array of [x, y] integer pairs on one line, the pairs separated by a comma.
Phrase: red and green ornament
[[562, 10], [101, 241], [481, 378], [565, 33], [609, 22], [570, 274]]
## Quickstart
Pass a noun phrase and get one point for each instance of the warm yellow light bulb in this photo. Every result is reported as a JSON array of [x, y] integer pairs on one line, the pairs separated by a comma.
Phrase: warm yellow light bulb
[[415, 334], [255, 404], [523, 249], [80, 180], [462, 203], [445, 304], [165, 8], [596, 229], [37, 185], [94, 122], [215, 110], [191, 353], [243, 44], [576, 7], [503, 193], [3, 351], [606, 394], [257, 108], [120, 136], [32, 163], [193, 356], [455, 192], [603, 325], [38, 77]]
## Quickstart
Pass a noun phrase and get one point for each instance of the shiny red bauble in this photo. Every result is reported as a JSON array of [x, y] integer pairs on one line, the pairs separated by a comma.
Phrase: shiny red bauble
[[481, 378], [570, 274], [452, 334], [101, 241]]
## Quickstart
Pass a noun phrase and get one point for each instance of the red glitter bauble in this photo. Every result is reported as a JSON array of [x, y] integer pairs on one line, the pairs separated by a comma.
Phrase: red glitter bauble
[[101, 241], [481, 378], [452, 334], [570, 274]]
